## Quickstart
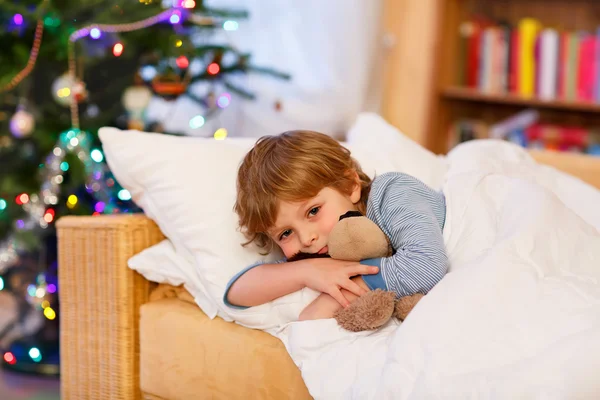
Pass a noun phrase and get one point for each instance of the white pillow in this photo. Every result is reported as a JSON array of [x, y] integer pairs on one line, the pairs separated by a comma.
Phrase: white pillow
[[187, 186], [161, 263]]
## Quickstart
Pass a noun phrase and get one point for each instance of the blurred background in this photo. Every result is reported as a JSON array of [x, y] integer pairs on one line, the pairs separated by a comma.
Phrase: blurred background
[[444, 72]]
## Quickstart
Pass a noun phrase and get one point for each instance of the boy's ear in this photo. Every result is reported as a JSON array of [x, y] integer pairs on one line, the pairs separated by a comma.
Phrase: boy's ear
[[355, 195]]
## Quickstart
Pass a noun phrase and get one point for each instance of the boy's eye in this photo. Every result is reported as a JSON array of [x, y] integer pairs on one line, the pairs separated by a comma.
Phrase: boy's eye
[[285, 234], [314, 211]]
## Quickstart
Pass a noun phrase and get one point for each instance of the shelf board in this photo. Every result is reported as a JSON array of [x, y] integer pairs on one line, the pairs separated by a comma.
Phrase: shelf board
[[468, 94]]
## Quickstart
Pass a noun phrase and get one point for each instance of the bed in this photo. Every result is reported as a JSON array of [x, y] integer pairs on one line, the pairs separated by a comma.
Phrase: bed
[[123, 337]]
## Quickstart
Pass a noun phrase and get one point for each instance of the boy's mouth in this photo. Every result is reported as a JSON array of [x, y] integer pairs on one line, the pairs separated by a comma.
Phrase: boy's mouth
[[324, 250]]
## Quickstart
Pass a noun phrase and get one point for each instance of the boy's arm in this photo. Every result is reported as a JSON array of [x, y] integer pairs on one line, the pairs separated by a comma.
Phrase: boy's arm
[[325, 306], [420, 261], [259, 284]]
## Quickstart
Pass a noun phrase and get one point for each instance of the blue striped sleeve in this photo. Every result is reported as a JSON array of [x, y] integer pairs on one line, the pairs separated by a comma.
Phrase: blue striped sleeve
[[237, 276], [412, 215]]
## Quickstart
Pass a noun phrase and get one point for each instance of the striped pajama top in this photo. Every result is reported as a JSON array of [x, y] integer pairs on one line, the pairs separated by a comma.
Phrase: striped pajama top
[[412, 216]]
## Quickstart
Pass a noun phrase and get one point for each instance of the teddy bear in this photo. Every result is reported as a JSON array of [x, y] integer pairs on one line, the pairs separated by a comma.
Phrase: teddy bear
[[355, 238]]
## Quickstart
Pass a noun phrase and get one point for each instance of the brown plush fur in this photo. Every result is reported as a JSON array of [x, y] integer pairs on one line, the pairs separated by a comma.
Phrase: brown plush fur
[[373, 310], [357, 238], [405, 304]]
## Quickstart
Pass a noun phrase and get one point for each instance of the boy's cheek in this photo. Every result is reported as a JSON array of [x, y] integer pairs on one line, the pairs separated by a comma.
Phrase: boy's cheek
[[289, 250]]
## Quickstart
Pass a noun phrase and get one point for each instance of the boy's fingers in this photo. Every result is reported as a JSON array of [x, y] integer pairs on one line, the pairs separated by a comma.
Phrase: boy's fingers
[[365, 270], [354, 288], [339, 297]]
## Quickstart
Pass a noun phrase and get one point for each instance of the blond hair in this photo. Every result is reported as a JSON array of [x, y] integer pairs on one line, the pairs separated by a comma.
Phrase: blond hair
[[292, 166]]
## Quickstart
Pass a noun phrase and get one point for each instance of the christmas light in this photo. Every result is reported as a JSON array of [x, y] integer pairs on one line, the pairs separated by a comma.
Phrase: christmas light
[[51, 288], [179, 43], [18, 19], [49, 313], [182, 62], [197, 122], [10, 358], [220, 134], [49, 215], [63, 92], [95, 33], [213, 68], [175, 18], [224, 100], [21, 199], [1, 283], [97, 155], [64, 166], [99, 207], [117, 49], [35, 354], [148, 72], [2, 204], [124, 195], [230, 25], [72, 201], [188, 4]]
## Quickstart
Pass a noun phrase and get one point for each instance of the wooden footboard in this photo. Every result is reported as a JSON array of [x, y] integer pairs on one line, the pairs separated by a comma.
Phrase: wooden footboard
[[100, 299], [586, 168]]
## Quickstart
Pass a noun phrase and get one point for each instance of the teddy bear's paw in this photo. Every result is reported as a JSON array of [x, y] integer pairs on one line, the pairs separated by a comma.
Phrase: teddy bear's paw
[[404, 305], [356, 239], [368, 312]]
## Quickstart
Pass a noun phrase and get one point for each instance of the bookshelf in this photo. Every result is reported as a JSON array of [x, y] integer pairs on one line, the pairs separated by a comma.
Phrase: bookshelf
[[451, 100]]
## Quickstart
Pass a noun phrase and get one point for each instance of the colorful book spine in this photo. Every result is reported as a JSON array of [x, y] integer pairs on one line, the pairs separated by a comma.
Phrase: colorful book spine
[[597, 66], [586, 77], [528, 29], [513, 76], [548, 64], [571, 67]]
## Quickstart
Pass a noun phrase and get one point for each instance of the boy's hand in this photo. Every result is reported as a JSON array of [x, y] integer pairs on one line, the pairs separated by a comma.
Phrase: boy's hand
[[327, 275]]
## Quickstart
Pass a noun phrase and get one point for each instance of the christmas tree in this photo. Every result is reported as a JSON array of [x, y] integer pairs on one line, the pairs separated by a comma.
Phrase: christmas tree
[[68, 68]]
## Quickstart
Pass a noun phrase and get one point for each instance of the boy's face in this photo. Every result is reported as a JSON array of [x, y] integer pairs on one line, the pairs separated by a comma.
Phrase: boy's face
[[305, 226]]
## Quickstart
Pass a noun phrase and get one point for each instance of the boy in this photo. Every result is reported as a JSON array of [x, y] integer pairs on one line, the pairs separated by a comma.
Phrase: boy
[[292, 189]]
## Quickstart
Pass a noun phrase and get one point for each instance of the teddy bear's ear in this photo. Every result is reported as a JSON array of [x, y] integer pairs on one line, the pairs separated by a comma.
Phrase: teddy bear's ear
[[351, 214]]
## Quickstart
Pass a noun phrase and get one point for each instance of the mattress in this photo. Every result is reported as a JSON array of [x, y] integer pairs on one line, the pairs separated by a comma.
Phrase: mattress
[[185, 355]]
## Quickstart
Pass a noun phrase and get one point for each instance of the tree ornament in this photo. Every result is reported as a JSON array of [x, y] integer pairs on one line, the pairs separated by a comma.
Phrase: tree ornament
[[22, 124], [65, 87], [169, 85], [135, 100]]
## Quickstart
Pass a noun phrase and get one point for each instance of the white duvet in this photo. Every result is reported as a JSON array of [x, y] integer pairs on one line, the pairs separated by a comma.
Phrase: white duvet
[[517, 316]]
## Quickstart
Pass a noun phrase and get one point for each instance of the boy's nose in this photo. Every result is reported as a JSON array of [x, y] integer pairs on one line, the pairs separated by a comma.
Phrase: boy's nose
[[308, 239]]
